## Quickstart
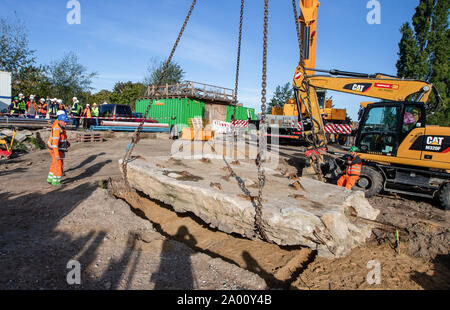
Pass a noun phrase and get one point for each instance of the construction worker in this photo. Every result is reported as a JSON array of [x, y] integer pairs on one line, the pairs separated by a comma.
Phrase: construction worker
[[42, 108], [31, 107], [14, 107], [353, 170], [87, 114], [95, 113], [57, 145], [22, 104], [76, 112], [60, 106]]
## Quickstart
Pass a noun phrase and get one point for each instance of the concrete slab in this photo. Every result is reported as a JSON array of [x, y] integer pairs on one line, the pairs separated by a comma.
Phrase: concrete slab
[[295, 212]]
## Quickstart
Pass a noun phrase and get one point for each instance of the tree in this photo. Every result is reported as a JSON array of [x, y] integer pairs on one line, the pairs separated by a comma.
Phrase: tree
[[174, 73], [127, 93], [408, 53], [425, 55], [100, 97], [15, 55], [281, 95], [32, 80], [69, 78]]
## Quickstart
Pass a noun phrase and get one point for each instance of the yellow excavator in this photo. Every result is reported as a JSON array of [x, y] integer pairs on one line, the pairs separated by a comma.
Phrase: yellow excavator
[[400, 152], [6, 148]]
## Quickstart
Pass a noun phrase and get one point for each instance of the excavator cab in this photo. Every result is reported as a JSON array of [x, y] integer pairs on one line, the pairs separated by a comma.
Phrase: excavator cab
[[385, 125]]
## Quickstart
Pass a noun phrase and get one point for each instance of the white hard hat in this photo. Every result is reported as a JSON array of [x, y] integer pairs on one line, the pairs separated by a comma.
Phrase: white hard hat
[[20, 95], [42, 99], [60, 112], [88, 105], [59, 101], [74, 98]]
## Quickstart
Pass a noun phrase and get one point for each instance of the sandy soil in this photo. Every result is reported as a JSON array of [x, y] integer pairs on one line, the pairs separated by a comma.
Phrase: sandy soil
[[143, 244]]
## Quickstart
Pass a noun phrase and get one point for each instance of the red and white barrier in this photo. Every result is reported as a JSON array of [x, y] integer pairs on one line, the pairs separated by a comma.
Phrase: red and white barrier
[[344, 129], [225, 127], [240, 124]]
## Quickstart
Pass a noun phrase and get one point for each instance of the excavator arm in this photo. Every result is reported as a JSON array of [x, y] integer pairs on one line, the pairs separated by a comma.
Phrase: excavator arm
[[378, 86]]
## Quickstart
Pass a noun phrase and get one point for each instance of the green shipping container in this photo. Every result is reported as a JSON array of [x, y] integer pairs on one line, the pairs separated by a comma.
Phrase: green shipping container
[[242, 113], [175, 111]]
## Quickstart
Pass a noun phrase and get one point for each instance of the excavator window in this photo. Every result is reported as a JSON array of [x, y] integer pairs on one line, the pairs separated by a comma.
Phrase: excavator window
[[379, 130], [321, 98], [411, 118]]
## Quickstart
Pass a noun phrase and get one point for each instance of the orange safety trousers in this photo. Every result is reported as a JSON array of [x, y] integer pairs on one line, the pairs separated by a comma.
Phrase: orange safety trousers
[[347, 181], [57, 166]]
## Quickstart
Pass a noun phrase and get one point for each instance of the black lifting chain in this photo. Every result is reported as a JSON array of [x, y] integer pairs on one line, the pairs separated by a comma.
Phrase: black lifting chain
[[136, 137], [261, 157]]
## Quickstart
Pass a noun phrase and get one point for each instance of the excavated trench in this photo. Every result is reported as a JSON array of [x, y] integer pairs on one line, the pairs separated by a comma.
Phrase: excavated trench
[[278, 266]]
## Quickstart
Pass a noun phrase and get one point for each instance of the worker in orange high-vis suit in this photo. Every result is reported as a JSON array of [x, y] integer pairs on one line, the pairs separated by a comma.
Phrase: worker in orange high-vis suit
[[353, 171], [57, 145]]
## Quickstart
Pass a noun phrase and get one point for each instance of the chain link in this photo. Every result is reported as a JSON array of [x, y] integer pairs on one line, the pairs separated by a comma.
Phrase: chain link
[[238, 60], [297, 26], [136, 137], [261, 157]]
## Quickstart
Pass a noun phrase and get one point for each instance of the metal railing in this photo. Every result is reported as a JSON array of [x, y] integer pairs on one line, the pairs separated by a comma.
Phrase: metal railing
[[190, 89]]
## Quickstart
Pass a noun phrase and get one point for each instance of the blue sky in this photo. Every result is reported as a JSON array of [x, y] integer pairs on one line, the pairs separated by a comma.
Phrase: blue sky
[[119, 38]]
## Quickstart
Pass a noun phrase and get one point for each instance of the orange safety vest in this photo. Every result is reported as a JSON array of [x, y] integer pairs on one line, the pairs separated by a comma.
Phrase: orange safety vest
[[58, 138], [354, 169], [87, 113], [43, 108], [29, 104]]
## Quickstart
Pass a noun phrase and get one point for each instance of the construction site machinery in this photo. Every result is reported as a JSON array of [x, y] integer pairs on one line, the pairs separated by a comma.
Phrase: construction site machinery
[[6, 148], [400, 152], [283, 122]]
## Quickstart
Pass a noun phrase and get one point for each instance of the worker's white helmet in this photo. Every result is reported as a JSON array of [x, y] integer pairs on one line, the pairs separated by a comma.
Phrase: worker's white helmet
[[60, 112], [42, 99], [88, 105], [59, 101], [21, 95]]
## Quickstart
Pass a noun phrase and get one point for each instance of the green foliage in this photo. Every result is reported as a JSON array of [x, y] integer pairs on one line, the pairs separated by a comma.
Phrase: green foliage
[[408, 51], [68, 77], [32, 80], [18, 146], [100, 97], [38, 143], [14, 51], [127, 93], [281, 95], [425, 55], [174, 73]]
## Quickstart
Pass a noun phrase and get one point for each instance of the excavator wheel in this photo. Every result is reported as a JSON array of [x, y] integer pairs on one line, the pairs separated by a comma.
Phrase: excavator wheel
[[370, 181], [444, 196]]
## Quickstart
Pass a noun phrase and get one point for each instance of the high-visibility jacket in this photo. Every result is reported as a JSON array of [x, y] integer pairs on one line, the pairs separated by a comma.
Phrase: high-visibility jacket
[[354, 165], [95, 112], [42, 108], [22, 105], [76, 108], [87, 113], [57, 142], [29, 110], [15, 106]]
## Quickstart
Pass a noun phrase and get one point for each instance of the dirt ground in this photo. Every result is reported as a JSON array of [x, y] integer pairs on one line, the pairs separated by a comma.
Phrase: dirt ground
[[137, 243]]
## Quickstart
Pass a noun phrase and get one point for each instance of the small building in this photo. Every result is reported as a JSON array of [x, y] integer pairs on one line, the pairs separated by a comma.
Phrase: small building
[[176, 104]]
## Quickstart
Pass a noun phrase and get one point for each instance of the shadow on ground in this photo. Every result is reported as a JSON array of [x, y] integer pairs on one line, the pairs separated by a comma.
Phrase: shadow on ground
[[34, 255]]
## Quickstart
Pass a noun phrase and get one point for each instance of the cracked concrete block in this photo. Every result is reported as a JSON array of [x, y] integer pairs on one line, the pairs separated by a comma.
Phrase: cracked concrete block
[[315, 214]]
